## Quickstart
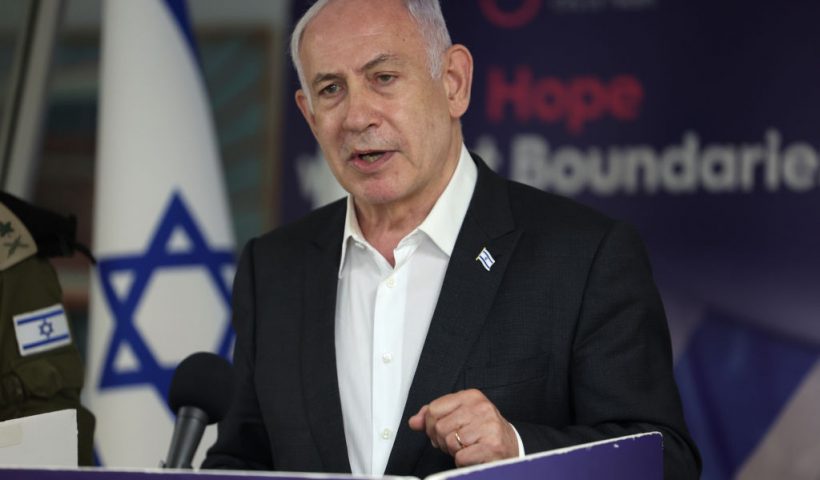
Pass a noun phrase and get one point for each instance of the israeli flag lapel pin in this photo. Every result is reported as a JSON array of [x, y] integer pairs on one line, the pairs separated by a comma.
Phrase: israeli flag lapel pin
[[486, 259]]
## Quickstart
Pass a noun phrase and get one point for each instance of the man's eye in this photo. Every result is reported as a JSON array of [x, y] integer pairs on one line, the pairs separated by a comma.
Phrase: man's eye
[[385, 78], [330, 89]]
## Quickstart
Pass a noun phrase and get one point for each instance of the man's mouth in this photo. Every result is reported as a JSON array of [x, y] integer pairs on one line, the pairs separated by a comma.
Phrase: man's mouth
[[370, 157]]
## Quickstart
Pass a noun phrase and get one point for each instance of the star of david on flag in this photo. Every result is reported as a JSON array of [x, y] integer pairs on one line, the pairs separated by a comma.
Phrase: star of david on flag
[[177, 244], [41, 330]]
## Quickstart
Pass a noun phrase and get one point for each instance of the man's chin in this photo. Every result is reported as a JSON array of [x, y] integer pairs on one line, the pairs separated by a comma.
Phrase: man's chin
[[375, 195]]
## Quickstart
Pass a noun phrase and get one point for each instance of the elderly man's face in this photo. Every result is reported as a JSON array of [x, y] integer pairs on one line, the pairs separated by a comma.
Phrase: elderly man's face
[[388, 129]]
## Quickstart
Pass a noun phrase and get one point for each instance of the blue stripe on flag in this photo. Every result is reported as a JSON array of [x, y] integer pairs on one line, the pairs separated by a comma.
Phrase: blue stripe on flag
[[734, 380], [51, 313], [45, 342], [179, 10]]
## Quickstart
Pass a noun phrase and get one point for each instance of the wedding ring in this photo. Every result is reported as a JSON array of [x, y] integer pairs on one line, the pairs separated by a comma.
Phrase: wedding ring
[[458, 440]]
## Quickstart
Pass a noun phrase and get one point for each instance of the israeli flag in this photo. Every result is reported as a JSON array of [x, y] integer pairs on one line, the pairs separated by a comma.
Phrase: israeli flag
[[162, 232], [41, 330], [486, 259]]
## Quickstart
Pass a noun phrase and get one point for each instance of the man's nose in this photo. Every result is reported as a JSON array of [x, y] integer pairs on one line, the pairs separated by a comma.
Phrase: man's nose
[[362, 110]]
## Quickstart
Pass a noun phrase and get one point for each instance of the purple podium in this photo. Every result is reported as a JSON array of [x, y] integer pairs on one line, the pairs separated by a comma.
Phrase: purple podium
[[624, 458]]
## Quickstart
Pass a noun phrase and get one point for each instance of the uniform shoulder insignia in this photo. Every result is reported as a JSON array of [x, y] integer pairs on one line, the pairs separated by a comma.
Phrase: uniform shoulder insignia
[[16, 243], [42, 330]]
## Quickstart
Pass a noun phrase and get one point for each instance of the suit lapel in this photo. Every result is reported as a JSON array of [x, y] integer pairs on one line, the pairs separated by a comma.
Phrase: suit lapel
[[467, 294], [320, 383]]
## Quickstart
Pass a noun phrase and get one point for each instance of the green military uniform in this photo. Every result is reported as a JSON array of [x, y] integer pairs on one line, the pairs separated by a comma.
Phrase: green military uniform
[[41, 369]]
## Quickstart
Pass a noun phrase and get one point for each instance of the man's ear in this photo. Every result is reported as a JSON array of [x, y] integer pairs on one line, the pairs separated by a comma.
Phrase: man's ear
[[304, 107], [458, 78]]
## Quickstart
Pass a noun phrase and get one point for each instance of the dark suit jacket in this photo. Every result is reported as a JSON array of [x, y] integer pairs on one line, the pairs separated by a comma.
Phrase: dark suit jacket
[[566, 335]]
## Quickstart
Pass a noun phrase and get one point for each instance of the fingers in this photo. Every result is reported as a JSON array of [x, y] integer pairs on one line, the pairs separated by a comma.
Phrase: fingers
[[448, 414], [493, 439], [453, 443], [429, 416], [416, 422], [467, 426], [442, 430]]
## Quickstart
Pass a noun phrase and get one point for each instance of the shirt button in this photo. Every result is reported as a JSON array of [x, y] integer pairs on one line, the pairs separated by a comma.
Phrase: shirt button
[[387, 358], [391, 282], [386, 434]]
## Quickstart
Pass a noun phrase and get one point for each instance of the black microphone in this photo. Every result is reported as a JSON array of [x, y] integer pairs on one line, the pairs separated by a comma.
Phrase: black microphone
[[200, 394]]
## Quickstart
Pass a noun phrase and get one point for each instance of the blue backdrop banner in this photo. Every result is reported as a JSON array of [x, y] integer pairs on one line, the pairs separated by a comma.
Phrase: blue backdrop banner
[[697, 122]]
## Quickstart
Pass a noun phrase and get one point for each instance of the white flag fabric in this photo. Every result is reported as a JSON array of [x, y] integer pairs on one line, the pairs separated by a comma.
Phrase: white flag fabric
[[162, 233]]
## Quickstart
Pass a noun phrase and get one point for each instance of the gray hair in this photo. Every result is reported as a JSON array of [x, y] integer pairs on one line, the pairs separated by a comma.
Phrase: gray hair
[[426, 13]]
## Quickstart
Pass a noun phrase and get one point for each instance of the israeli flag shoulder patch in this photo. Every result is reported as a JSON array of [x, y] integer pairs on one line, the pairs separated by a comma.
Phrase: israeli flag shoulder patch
[[41, 330]]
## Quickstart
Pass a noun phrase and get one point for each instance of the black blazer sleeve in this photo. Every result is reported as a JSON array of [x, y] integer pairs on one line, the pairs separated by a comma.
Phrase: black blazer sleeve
[[243, 441], [620, 372]]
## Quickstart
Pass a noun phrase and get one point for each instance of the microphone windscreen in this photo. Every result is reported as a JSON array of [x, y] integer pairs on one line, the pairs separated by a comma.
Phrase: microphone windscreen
[[203, 380]]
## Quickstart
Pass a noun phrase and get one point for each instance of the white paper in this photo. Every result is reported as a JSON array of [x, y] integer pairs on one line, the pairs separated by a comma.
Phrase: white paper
[[40, 440]]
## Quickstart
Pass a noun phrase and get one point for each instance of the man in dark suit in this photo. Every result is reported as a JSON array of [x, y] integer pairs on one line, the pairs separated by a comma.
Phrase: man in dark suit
[[440, 316]]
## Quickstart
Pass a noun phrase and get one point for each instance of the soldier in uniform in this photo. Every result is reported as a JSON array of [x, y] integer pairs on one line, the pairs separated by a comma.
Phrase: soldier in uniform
[[41, 369]]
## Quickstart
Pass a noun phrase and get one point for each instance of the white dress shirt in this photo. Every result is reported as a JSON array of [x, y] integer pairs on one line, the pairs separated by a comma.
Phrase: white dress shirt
[[382, 317]]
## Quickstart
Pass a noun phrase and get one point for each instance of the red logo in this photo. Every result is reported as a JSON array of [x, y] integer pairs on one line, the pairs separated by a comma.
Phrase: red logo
[[575, 101], [515, 18]]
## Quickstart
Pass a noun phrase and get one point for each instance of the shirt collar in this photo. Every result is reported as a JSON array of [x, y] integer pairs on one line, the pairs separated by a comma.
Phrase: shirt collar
[[444, 220]]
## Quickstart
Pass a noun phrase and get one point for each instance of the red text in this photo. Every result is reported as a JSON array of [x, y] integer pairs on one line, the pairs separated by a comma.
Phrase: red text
[[575, 101], [515, 18]]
